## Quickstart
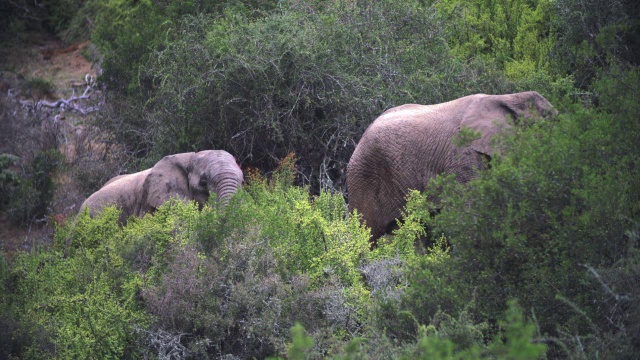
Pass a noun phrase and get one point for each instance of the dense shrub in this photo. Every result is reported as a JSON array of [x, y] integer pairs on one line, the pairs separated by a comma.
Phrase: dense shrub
[[35, 192], [233, 304], [9, 179], [221, 281], [53, 16], [30, 162], [594, 34], [273, 257], [441, 340], [558, 203], [307, 235], [79, 305], [81, 298], [130, 33]]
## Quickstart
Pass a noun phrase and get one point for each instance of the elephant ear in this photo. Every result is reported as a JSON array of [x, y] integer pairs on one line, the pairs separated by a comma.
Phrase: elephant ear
[[168, 179], [488, 115]]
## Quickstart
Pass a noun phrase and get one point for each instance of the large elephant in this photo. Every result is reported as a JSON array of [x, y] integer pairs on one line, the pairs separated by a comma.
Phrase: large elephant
[[187, 176], [410, 144]]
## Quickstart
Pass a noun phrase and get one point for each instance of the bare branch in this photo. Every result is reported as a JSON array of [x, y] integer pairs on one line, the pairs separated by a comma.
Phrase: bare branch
[[606, 287], [69, 104], [167, 345]]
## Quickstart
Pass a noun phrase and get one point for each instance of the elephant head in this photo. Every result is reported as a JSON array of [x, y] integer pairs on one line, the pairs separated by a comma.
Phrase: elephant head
[[489, 114], [409, 145], [192, 176], [186, 176]]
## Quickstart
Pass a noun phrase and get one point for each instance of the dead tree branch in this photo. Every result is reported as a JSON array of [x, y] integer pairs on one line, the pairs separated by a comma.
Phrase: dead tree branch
[[70, 104]]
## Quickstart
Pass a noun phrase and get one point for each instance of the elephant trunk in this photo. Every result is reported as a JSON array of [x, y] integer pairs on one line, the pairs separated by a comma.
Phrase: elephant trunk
[[227, 186]]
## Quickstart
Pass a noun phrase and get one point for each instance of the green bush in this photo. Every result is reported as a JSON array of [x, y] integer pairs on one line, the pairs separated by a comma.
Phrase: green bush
[[515, 33], [312, 236], [593, 35], [8, 179], [234, 304], [71, 307], [272, 257], [82, 297], [28, 178], [131, 33], [560, 198], [12, 338], [81, 21], [421, 282], [233, 279], [34, 193], [38, 89], [127, 33], [301, 343], [439, 341]]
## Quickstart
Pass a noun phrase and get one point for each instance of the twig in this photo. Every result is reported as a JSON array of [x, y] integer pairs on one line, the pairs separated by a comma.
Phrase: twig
[[593, 271]]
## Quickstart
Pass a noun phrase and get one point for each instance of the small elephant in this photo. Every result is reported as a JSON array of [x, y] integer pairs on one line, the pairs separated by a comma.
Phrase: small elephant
[[187, 176], [410, 144]]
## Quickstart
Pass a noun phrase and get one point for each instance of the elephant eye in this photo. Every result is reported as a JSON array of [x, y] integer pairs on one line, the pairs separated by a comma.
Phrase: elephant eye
[[203, 183]]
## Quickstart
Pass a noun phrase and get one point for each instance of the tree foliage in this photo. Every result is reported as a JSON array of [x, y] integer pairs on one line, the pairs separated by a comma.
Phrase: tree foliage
[[515, 33], [594, 35]]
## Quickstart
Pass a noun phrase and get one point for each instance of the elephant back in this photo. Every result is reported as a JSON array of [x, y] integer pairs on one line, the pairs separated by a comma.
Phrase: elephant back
[[122, 191]]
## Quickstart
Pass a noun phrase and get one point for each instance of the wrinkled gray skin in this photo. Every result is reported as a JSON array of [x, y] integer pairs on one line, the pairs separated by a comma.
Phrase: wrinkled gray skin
[[188, 176], [410, 144]]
